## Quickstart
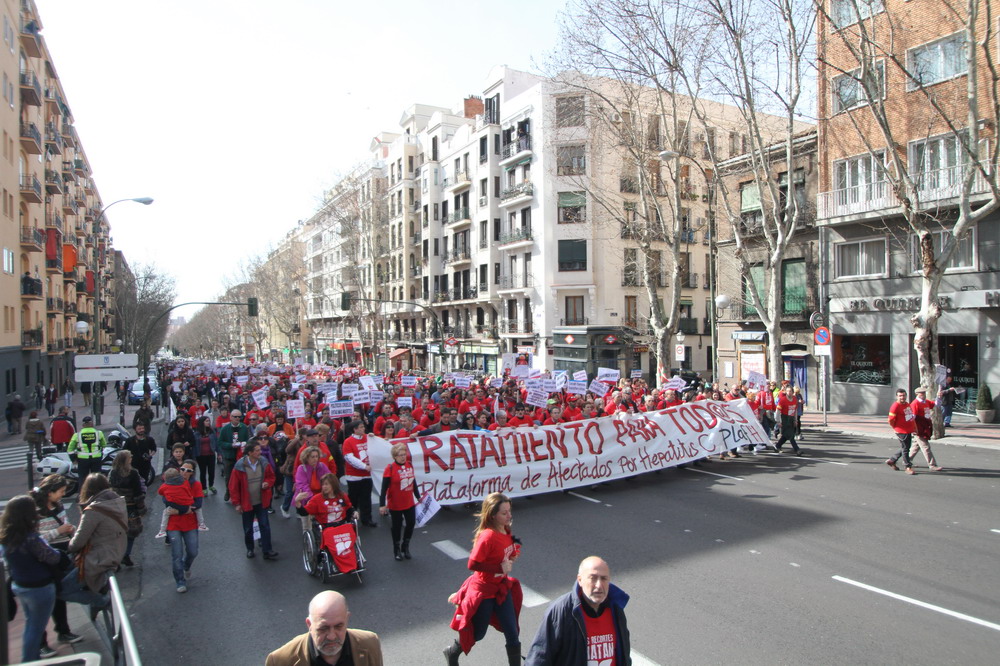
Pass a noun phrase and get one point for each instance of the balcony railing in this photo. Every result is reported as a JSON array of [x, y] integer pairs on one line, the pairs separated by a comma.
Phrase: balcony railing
[[516, 281], [458, 215], [688, 325], [54, 304], [519, 145], [442, 296], [689, 281], [31, 188], [31, 338], [31, 89], [513, 326], [525, 189], [56, 347], [460, 293], [53, 265], [69, 308], [32, 236], [53, 182], [457, 255], [574, 321], [516, 235], [31, 286], [31, 138], [458, 179]]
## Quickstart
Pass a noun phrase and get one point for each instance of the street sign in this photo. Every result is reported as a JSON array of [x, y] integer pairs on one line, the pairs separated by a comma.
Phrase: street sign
[[816, 320], [451, 342], [679, 353], [525, 349], [105, 360], [822, 350], [105, 374], [821, 336], [570, 339]]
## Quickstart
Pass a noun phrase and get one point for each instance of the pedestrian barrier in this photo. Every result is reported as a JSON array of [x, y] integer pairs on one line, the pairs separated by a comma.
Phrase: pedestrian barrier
[[116, 630]]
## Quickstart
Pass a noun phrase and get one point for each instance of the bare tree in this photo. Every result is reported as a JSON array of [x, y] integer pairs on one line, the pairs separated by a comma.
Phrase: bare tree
[[864, 53], [203, 336], [140, 297]]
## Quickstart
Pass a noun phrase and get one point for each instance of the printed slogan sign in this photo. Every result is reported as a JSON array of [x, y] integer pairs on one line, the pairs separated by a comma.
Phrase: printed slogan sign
[[464, 466]]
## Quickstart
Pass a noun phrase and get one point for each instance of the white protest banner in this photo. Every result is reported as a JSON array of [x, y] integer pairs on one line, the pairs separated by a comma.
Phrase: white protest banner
[[295, 409], [940, 376], [636, 374], [549, 385], [756, 380], [408, 381], [537, 398], [608, 374], [301, 379], [496, 382], [561, 378], [576, 388], [360, 397], [341, 409], [299, 360], [348, 390], [367, 383], [534, 372], [175, 386], [675, 383], [520, 371], [260, 398], [532, 384], [426, 508], [598, 388], [376, 396], [256, 371], [580, 376], [404, 401], [462, 381], [461, 466], [378, 379], [242, 379]]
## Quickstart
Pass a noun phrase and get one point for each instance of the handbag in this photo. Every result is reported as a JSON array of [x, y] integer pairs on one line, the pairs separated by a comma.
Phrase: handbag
[[134, 526]]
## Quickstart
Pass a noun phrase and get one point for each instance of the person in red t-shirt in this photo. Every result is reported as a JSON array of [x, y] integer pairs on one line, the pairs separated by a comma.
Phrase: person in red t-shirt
[[923, 413], [555, 416], [399, 496], [904, 424], [788, 407], [519, 419]]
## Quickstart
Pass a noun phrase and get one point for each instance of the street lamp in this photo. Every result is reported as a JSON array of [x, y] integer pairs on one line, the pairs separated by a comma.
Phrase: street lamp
[[145, 201]]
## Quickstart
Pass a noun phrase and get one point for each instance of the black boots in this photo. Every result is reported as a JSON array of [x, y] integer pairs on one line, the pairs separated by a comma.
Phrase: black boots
[[514, 655], [406, 549], [451, 653], [397, 553]]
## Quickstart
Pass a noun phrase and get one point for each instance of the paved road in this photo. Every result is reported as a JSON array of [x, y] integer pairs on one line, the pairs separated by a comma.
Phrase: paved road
[[832, 558]]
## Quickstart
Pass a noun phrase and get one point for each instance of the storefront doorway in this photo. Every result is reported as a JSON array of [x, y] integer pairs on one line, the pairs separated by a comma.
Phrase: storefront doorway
[[960, 354]]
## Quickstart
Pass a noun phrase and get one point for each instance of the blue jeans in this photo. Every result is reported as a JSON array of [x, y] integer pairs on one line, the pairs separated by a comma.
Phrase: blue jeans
[[183, 550], [71, 589], [505, 614], [260, 513], [37, 604], [946, 411], [288, 489]]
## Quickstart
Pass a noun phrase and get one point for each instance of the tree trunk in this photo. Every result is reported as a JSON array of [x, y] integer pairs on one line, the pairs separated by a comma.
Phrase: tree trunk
[[662, 357], [925, 340]]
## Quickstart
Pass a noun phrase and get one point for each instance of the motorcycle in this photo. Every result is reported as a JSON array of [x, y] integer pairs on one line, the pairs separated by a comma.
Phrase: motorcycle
[[60, 462]]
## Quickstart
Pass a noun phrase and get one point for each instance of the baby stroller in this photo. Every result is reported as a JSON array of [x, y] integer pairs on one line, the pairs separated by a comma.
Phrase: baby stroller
[[327, 550]]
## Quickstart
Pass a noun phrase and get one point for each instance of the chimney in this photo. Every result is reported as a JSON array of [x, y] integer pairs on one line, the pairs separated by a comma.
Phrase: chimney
[[472, 106]]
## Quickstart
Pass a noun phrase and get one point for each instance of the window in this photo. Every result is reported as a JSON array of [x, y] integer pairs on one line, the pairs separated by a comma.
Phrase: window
[[709, 147], [936, 164], [861, 258], [751, 215], [849, 89], [574, 311], [569, 111], [936, 61], [862, 359], [964, 256], [484, 149], [859, 178], [8, 261], [572, 255], [571, 160], [757, 276], [798, 191], [572, 207], [654, 140], [793, 287], [632, 311], [630, 274], [843, 12]]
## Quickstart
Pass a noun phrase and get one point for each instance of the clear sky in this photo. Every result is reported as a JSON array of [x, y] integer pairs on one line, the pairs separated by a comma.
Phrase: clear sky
[[235, 115]]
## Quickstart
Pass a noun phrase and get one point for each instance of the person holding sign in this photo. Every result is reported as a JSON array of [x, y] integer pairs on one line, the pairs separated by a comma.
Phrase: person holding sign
[[490, 596], [399, 486], [359, 472]]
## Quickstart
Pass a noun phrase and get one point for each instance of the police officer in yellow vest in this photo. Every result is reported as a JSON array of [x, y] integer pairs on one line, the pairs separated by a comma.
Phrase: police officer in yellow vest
[[88, 446]]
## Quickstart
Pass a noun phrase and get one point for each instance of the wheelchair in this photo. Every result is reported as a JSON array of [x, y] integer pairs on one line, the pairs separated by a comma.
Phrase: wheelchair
[[318, 561]]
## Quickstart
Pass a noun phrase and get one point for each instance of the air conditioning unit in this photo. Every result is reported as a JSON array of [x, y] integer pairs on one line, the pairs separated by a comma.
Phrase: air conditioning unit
[[616, 117], [482, 202]]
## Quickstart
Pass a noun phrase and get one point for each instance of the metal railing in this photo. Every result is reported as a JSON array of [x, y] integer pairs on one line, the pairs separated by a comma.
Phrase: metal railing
[[574, 321], [519, 145], [31, 286], [32, 235], [515, 191], [458, 215], [30, 131], [517, 235], [516, 281], [30, 183]]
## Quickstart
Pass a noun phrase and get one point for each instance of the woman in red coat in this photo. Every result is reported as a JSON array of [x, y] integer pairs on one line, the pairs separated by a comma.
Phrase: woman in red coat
[[490, 596], [399, 486]]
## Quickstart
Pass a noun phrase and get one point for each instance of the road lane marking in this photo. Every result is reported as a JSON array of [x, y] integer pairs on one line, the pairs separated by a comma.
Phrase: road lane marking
[[642, 660], [922, 604], [997, 531], [584, 497], [452, 549], [530, 598], [724, 476]]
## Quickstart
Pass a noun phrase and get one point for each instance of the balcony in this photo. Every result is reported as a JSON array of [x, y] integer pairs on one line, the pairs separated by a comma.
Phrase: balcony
[[442, 296], [70, 207], [53, 266], [459, 181], [510, 326], [31, 89], [53, 182], [29, 38], [80, 167], [54, 305], [415, 271], [416, 238], [574, 321], [460, 216], [628, 185], [631, 279], [517, 194], [484, 243], [689, 281], [515, 282], [31, 188], [31, 339], [69, 308], [54, 101], [688, 325], [57, 347], [31, 138], [458, 256], [32, 240], [80, 229], [485, 331], [518, 237], [521, 146], [464, 294], [31, 288], [81, 199], [456, 331], [69, 134]]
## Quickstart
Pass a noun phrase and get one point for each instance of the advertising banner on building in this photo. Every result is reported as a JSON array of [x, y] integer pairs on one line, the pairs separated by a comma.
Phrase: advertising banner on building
[[464, 466]]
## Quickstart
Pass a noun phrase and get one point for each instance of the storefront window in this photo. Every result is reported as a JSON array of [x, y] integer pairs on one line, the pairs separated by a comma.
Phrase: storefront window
[[861, 359], [960, 354]]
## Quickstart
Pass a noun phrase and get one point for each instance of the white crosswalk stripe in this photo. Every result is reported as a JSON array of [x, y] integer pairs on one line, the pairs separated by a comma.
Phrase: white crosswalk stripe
[[14, 457]]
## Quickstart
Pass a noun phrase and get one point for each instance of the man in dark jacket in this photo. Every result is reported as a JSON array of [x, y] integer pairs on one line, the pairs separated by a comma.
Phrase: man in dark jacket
[[586, 625]]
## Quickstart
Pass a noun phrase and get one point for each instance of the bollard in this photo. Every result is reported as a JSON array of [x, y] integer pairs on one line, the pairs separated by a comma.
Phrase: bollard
[[31, 472]]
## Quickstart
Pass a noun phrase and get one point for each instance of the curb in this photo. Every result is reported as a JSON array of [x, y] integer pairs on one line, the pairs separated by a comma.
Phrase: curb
[[947, 441]]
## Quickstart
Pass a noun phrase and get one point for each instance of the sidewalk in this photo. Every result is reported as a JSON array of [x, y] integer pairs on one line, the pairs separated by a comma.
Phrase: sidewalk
[[964, 431], [79, 623]]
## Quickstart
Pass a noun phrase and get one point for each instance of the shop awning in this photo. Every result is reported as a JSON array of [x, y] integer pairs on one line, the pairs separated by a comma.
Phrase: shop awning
[[399, 352]]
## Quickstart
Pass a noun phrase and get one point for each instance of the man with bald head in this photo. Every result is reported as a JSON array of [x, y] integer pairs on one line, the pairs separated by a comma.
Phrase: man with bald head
[[586, 625], [329, 642]]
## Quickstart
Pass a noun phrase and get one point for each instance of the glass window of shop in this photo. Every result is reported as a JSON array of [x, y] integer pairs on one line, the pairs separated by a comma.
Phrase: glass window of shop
[[862, 359], [960, 354]]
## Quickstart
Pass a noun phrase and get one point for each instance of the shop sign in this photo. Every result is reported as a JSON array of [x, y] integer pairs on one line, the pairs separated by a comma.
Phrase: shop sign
[[610, 339], [892, 304], [641, 349]]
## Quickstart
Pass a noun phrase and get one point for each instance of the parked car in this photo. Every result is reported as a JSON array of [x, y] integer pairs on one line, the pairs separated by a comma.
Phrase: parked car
[[135, 395]]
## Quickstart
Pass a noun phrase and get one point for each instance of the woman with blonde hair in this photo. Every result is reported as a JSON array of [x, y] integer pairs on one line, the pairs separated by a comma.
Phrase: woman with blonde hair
[[490, 596], [399, 496]]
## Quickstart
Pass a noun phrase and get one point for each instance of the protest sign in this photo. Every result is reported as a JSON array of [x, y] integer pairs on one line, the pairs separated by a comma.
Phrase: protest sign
[[408, 381], [756, 380], [367, 383], [576, 388], [537, 398], [360, 397], [329, 390], [608, 374], [580, 376], [636, 374], [295, 409], [404, 401], [549, 385], [341, 409], [376, 396], [462, 381], [348, 390], [496, 382], [598, 388], [675, 383], [260, 398], [426, 508]]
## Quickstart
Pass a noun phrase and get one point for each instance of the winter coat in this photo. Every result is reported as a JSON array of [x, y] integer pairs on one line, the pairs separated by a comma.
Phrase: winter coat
[[103, 527], [239, 489], [562, 637]]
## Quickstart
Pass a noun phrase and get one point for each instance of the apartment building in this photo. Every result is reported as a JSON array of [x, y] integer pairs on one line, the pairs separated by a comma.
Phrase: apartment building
[[471, 230], [54, 252], [744, 344], [871, 257]]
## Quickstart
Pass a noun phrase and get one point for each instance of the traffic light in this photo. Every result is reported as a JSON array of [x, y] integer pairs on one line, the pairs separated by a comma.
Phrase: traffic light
[[345, 301], [252, 307]]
